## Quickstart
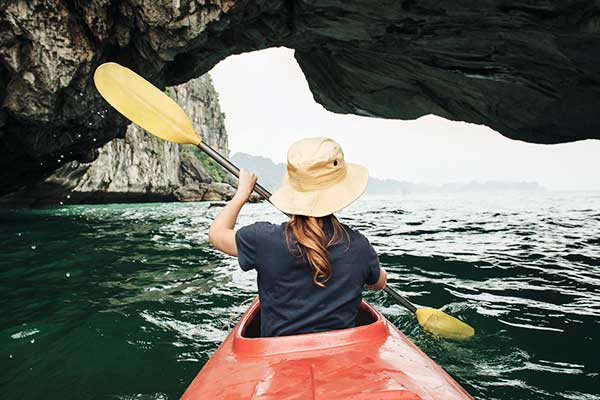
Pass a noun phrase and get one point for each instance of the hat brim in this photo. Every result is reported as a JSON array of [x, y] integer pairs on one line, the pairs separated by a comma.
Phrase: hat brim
[[321, 202]]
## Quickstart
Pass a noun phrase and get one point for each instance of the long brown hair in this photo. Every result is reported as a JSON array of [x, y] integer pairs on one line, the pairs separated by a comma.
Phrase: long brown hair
[[307, 235]]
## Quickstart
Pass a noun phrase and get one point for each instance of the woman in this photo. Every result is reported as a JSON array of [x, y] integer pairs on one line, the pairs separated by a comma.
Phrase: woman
[[311, 269]]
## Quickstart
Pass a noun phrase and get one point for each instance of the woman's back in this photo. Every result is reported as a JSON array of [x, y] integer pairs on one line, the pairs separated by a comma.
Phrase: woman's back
[[291, 302]]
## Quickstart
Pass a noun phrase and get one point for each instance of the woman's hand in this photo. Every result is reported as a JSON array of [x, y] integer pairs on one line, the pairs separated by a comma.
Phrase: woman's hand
[[246, 183]]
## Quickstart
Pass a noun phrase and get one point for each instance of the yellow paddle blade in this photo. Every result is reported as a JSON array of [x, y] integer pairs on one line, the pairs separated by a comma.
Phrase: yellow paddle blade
[[145, 104], [441, 324]]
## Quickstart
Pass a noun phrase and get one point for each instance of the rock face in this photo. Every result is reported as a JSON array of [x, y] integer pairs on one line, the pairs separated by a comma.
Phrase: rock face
[[530, 70], [140, 167]]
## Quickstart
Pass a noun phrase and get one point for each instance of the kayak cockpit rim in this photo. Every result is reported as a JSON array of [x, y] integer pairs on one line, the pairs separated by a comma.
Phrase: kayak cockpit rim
[[376, 331]]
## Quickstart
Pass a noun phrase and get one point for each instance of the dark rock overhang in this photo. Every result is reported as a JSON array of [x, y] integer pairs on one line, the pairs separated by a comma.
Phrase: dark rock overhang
[[530, 70]]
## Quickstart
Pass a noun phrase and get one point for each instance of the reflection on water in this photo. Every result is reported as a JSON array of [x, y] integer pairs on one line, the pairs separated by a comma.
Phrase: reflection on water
[[129, 301]]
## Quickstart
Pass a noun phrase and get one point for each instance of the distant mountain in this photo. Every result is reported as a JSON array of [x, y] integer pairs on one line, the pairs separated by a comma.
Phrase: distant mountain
[[492, 186], [270, 175]]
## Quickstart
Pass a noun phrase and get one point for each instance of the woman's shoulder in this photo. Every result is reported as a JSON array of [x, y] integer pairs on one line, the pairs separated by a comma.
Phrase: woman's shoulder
[[265, 227], [355, 236]]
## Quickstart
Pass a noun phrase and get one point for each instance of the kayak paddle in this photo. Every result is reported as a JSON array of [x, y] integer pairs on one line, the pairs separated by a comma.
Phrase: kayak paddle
[[152, 109]]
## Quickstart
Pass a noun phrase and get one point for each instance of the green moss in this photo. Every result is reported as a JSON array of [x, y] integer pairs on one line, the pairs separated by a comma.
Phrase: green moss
[[215, 170], [169, 92]]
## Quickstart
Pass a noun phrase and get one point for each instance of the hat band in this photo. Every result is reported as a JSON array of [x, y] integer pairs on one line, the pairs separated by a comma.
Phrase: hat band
[[308, 184]]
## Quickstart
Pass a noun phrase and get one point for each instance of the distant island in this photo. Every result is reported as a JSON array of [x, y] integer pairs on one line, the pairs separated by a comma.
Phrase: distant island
[[270, 175]]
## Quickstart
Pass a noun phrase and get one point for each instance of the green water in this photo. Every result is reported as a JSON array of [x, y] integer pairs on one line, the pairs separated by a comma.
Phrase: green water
[[129, 301]]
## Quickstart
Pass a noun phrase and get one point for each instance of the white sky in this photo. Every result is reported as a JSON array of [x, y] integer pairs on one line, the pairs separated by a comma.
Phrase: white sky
[[268, 106]]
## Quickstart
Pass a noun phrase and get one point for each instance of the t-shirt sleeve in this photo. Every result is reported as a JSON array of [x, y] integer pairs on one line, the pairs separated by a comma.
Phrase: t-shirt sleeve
[[372, 264], [246, 242]]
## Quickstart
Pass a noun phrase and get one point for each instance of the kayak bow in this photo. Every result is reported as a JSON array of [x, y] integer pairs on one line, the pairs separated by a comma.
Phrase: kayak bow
[[371, 361]]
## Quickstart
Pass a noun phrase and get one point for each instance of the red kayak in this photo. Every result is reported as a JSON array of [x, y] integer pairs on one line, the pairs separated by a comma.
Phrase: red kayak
[[374, 360]]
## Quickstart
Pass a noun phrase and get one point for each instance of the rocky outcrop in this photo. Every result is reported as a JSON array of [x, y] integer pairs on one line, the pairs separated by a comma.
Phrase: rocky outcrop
[[530, 70], [140, 167]]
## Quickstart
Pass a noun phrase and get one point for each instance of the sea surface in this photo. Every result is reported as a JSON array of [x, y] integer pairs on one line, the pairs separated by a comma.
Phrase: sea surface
[[130, 301]]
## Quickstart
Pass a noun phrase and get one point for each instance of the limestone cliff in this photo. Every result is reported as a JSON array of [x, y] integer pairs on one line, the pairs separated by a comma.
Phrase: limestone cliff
[[140, 167], [528, 69]]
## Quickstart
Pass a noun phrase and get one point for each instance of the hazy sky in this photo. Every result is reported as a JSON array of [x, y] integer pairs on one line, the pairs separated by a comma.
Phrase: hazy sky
[[268, 106]]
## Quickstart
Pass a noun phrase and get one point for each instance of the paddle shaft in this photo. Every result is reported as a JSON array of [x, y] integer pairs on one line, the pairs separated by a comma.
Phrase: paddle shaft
[[231, 167], [264, 193]]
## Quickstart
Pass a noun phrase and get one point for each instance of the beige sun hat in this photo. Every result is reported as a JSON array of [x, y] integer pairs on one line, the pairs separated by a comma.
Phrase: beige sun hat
[[318, 181]]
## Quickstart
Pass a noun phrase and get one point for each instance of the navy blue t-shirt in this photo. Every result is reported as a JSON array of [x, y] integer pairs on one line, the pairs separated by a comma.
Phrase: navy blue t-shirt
[[290, 301]]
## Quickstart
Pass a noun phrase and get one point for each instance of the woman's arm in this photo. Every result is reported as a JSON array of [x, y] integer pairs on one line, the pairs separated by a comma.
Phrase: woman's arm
[[381, 282], [221, 234]]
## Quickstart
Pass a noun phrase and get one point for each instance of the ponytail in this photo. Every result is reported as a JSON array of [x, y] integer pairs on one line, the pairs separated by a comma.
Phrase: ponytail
[[307, 234]]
